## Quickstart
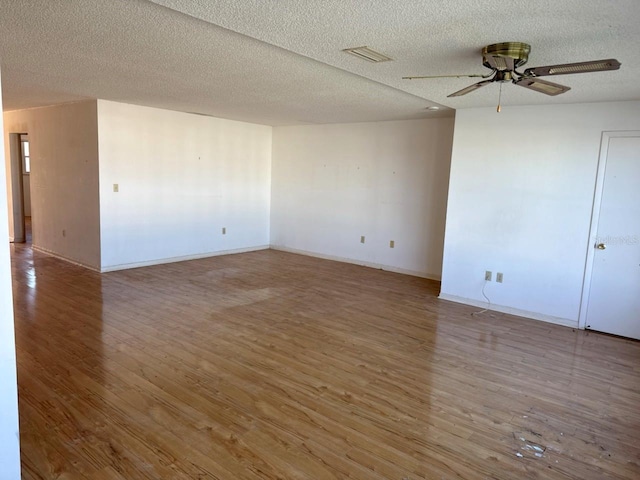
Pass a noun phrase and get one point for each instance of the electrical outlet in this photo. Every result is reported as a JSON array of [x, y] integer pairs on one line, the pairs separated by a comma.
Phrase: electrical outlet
[[224, 230], [487, 276], [362, 239], [499, 277], [392, 244], [116, 188]]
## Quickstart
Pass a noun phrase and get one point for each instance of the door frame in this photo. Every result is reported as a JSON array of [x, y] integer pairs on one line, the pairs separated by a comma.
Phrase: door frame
[[17, 188], [595, 217]]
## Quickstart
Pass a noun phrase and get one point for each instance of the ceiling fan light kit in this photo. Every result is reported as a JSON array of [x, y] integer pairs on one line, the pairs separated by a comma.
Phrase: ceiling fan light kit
[[504, 59]]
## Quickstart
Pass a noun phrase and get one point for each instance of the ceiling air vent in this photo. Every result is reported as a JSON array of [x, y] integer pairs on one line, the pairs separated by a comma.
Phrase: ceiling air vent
[[367, 54]]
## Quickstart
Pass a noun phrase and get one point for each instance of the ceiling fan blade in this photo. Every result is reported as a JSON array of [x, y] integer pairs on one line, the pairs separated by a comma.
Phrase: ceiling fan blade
[[448, 76], [542, 86], [580, 67], [470, 88], [500, 62]]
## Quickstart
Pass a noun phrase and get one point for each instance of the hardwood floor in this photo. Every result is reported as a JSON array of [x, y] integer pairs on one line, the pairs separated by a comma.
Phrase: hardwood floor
[[269, 365]]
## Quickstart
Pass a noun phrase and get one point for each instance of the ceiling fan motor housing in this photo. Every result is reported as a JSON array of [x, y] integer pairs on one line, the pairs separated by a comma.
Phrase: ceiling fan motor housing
[[505, 56]]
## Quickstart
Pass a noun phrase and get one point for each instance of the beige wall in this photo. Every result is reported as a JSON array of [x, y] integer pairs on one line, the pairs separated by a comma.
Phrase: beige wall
[[64, 178]]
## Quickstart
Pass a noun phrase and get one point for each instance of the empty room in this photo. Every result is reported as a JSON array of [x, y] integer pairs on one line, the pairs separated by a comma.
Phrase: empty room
[[388, 240]]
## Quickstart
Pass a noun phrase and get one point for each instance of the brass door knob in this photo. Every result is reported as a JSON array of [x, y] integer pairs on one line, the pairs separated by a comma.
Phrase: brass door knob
[[601, 246]]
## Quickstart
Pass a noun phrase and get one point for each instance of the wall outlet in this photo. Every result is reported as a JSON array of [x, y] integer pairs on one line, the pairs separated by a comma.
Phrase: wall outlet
[[487, 276], [362, 239], [224, 230], [392, 244], [499, 277], [116, 188]]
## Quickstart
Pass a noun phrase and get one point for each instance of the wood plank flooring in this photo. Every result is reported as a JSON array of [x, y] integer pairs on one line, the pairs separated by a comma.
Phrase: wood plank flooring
[[269, 365]]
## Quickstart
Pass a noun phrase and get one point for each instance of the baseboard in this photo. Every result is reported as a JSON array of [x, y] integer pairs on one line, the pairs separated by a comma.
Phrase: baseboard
[[161, 261], [511, 311], [378, 266], [62, 257], [184, 258]]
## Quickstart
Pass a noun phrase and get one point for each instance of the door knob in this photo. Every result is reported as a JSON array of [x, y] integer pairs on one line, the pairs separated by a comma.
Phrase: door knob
[[601, 246]]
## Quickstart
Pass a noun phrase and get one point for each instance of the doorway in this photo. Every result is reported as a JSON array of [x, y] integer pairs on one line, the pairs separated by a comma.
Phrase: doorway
[[20, 158], [25, 154], [612, 303]]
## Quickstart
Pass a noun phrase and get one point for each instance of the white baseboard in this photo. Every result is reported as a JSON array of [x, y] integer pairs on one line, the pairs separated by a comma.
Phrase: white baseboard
[[161, 261], [184, 258], [511, 311], [62, 257], [378, 266]]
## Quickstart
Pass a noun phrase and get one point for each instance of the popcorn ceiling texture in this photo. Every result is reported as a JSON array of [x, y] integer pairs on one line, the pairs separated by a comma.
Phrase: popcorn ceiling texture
[[279, 62]]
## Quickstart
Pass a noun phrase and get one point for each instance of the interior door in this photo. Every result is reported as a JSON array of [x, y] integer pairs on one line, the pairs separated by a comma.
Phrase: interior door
[[614, 296]]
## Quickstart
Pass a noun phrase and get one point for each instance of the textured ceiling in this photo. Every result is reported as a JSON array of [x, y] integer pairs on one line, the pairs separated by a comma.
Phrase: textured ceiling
[[280, 61]]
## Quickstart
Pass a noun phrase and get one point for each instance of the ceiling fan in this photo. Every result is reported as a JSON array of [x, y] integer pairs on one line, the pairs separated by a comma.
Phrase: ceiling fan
[[503, 59]]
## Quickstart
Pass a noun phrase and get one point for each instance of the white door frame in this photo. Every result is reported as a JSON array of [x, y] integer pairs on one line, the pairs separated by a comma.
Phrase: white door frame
[[595, 217]]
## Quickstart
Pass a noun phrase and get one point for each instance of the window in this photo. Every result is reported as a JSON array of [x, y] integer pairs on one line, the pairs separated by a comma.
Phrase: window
[[26, 157]]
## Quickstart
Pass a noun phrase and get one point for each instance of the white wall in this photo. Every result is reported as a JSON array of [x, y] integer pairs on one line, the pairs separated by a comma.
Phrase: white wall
[[9, 436], [64, 178], [331, 184], [520, 201], [181, 179]]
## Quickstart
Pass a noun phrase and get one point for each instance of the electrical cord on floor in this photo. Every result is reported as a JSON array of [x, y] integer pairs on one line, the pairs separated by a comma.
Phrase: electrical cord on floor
[[488, 303]]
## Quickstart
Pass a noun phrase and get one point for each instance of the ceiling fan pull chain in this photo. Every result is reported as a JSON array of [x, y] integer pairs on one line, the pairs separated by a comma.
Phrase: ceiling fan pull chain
[[499, 98]]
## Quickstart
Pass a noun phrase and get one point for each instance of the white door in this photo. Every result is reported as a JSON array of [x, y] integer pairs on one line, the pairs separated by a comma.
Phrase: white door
[[614, 297]]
